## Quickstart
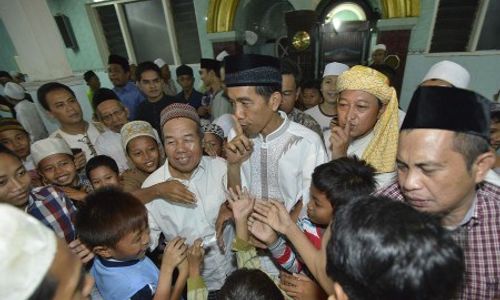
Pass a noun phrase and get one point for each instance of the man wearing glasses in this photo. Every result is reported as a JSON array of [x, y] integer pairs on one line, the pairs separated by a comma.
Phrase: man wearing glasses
[[113, 114]]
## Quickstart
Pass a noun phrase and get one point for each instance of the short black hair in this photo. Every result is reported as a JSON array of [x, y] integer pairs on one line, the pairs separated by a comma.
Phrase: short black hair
[[470, 146], [289, 67], [5, 74], [344, 179], [101, 161], [146, 66], [49, 87], [88, 75], [108, 215], [311, 84], [384, 249], [249, 284], [495, 116], [5, 150], [267, 90]]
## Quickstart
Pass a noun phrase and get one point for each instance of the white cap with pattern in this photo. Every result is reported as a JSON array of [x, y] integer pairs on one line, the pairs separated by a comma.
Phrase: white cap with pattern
[[335, 69], [47, 147]]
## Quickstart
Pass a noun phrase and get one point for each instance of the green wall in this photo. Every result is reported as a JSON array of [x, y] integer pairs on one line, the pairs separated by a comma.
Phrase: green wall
[[87, 56], [7, 51], [483, 66]]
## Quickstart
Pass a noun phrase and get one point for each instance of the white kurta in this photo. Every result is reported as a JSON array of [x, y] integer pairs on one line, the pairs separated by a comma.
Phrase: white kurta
[[27, 115], [78, 140], [208, 182], [110, 143], [282, 163]]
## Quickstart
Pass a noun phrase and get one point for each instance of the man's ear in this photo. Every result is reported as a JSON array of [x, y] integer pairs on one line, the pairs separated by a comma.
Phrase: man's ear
[[483, 163], [275, 100], [102, 251]]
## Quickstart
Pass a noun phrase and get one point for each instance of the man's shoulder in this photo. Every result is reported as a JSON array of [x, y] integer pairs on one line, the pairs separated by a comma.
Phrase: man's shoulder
[[46, 192], [313, 110], [155, 177], [305, 133], [392, 191], [214, 163], [489, 194]]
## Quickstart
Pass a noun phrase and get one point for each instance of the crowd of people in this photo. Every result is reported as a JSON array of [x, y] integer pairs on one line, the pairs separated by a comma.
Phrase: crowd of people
[[267, 185]]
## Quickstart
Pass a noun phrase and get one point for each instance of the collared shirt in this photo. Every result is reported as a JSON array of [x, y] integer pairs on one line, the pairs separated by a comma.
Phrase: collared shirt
[[480, 240], [150, 111], [282, 163], [208, 182], [194, 99], [27, 115], [220, 105], [110, 143], [131, 97], [86, 141], [53, 209], [306, 120]]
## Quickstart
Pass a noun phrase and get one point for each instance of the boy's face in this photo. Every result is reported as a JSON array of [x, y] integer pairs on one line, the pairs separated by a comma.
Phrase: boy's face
[[94, 83], [64, 107], [58, 169], [311, 97], [495, 134], [329, 89], [132, 246], [186, 82], [16, 141], [104, 177], [213, 141], [144, 153], [14, 181], [319, 208]]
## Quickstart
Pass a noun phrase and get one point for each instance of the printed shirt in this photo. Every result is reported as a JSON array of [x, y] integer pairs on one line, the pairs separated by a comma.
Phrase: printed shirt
[[481, 236], [53, 209]]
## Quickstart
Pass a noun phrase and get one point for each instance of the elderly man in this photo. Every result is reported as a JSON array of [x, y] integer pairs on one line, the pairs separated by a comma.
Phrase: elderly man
[[113, 114], [368, 121], [442, 160], [35, 263], [205, 177]]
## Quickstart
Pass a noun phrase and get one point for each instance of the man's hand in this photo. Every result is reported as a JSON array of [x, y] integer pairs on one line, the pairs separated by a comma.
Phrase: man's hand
[[240, 147], [274, 214], [225, 214], [203, 111], [175, 191], [78, 248], [301, 287], [340, 140], [262, 231], [80, 160], [209, 149], [195, 258]]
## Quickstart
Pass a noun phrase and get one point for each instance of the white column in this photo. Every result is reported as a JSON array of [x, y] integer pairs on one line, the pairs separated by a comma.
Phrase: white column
[[34, 33]]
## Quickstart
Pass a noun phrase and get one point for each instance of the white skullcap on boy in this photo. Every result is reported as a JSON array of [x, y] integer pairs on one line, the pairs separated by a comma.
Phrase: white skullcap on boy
[[47, 147], [335, 69], [27, 249], [159, 62], [450, 72]]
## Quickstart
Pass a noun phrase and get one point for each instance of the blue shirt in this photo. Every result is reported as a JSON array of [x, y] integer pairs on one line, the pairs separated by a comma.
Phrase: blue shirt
[[131, 97], [194, 100], [134, 279]]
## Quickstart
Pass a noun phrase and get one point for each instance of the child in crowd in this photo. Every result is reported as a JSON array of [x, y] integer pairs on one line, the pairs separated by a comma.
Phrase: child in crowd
[[249, 282], [142, 146], [55, 164], [378, 248], [213, 140], [16, 139], [114, 224], [102, 171], [311, 93], [333, 184]]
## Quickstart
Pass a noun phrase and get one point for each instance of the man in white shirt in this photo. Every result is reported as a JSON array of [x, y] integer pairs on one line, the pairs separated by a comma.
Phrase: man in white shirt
[[60, 102], [113, 114], [26, 112], [205, 177]]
